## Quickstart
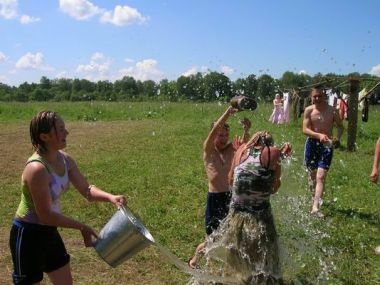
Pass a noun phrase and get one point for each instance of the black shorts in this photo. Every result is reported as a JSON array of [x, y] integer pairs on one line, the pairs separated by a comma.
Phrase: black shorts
[[216, 209], [35, 249]]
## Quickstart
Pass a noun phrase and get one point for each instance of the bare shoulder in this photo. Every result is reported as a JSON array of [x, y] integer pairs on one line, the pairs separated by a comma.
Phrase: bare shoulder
[[68, 158], [35, 170], [308, 109]]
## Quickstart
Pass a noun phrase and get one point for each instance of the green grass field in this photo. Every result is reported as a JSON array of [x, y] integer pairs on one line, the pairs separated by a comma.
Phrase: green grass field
[[152, 153]]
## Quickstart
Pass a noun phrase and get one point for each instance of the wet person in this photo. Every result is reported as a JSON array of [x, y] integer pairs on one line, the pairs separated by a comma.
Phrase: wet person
[[218, 152], [35, 242], [246, 241], [318, 123]]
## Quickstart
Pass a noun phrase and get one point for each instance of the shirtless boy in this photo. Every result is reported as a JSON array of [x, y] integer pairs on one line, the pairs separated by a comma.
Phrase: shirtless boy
[[217, 157]]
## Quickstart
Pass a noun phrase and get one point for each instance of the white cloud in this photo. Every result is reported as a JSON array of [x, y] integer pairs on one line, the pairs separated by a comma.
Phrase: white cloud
[[191, 71], [9, 11], [302, 72], [61, 74], [32, 61], [122, 16], [25, 19], [194, 70], [79, 9], [227, 70], [2, 57], [4, 79], [97, 69], [129, 60], [143, 70], [375, 70]]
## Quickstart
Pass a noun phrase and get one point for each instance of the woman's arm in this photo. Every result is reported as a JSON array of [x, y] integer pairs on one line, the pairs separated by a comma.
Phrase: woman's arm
[[275, 165], [91, 192]]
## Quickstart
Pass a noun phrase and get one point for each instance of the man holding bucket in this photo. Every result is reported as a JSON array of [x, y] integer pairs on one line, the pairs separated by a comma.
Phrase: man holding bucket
[[217, 157]]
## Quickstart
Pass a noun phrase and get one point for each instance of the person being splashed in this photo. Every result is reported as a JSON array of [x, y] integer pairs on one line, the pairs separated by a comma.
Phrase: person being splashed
[[246, 241]]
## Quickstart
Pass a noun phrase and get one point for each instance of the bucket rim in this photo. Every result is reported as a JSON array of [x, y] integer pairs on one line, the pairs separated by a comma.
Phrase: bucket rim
[[137, 223]]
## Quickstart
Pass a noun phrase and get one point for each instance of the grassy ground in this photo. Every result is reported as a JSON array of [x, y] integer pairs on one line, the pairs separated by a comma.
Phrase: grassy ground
[[151, 152]]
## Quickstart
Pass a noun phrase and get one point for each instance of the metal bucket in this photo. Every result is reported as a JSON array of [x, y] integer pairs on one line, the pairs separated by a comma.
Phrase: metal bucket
[[122, 237]]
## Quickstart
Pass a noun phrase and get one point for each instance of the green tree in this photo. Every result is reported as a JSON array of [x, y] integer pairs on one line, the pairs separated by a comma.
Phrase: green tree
[[126, 88], [104, 90], [149, 88], [265, 87], [5, 92], [45, 83], [168, 90], [217, 86], [251, 85], [191, 87]]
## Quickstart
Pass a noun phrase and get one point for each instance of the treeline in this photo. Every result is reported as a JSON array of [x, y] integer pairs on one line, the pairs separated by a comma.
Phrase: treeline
[[198, 87]]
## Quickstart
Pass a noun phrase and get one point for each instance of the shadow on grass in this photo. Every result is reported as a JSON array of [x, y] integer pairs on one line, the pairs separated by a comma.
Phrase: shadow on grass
[[353, 213]]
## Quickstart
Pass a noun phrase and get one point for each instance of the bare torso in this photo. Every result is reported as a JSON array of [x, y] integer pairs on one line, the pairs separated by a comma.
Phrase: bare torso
[[321, 118], [217, 165]]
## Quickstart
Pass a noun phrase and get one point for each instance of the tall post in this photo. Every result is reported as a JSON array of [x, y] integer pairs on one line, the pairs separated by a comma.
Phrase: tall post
[[295, 101], [352, 113]]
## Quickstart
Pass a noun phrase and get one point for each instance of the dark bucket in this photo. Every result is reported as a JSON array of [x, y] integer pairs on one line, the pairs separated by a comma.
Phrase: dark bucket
[[243, 103]]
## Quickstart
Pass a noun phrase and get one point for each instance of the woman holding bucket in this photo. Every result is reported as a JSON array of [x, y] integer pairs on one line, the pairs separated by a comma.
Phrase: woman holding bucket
[[35, 243]]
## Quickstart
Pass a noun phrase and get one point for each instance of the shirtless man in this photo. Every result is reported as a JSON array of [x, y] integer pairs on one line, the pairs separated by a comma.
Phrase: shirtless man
[[318, 122], [217, 157]]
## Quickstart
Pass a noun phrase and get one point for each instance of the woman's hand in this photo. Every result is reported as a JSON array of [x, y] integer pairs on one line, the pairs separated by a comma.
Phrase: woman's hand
[[118, 200], [88, 234], [246, 123], [286, 150]]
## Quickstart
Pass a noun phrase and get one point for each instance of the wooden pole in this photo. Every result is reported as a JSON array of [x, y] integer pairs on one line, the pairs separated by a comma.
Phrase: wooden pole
[[352, 113], [296, 100]]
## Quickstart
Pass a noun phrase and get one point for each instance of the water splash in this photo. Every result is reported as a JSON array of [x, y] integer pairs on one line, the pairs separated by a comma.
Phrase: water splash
[[300, 238], [198, 275]]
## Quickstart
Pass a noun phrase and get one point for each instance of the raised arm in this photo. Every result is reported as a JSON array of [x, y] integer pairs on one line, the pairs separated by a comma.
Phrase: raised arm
[[246, 126], [276, 164], [208, 144]]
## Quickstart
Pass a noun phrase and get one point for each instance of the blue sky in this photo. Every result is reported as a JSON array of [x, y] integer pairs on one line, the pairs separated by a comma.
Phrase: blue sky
[[106, 40]]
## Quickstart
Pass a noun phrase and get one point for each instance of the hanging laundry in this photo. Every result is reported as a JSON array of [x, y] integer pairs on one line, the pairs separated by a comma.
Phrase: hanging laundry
[[286, 99]]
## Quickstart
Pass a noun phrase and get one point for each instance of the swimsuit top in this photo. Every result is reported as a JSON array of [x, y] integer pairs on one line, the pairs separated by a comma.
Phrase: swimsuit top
[[252, 183], [57, 186]]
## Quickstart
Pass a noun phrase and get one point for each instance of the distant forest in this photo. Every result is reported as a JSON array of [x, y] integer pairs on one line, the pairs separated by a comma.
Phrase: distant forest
[[200, 87]]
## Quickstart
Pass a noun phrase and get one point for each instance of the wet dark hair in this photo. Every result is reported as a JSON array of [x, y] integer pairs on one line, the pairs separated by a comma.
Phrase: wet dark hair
[[261, 138], [42, 123]]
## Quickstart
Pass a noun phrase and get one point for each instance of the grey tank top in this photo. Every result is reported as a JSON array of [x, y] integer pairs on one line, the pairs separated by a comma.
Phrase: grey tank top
[[252, 183]]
